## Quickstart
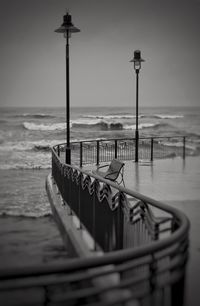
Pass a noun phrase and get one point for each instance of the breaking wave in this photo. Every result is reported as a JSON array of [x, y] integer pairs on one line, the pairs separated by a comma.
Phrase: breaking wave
[[43, 146], [111, 116], [99, 124], [44, 127], [143, 126], [40, 145], [115, 125], [25, 166], [35, 116], [163, 116], [128, 116]]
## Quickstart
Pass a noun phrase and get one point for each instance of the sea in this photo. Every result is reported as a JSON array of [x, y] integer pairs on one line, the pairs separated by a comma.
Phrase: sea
[[28, 234]]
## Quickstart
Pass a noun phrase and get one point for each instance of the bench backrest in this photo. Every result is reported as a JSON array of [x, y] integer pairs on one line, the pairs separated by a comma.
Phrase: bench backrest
[[115, 166]]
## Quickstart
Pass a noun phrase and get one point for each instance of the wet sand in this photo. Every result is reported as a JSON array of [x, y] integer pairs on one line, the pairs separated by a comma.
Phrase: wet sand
[[177, 183]]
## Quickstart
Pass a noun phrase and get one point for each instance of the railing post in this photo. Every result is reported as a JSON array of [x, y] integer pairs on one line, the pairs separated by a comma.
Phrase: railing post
[[152, 149], [177, 289], [58, 150], [94, 215], [115, 148], [152, 280], [79, 202], [97, 152], [81, 154], [184, 147]]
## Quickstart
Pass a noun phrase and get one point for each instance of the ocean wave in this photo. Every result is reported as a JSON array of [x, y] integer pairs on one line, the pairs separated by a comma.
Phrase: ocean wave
[[128, 116], [143, 126], [43, 146], [25, 160], [166, 116], [40, 145], [98, 123], [87, 123], [25, 214], [114, 125], [111, 116], [35, 116], [44, 127], [24, 166]]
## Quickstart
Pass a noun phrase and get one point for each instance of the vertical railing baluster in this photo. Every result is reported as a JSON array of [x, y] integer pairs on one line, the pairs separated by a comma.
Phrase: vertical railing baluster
[[79, 200], [81, 154], [94, 215], [97, 151], [115, 148], [184, 147], [177, 289], [152, 149], [97, 147]]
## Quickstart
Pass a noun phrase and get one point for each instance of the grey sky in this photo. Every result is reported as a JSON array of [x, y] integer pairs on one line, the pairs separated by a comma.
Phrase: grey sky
[[32, 55]]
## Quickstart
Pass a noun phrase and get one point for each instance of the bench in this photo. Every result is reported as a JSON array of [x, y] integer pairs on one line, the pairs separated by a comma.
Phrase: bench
[[115, 168]]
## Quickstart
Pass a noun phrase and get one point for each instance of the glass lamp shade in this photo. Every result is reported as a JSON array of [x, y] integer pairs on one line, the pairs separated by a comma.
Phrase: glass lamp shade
[[67, 26], [137, 59]]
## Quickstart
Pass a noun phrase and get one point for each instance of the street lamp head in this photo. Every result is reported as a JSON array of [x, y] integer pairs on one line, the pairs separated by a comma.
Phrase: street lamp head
[[137, 60], [67, 26]]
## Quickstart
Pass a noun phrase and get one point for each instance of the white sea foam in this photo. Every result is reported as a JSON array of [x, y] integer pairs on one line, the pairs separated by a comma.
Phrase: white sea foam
[[166, 116], [44, 127], [128, 116], [24, 166], [26, 160], [140, 126], [29, 145], [87, 123], [110, 116], [113, 125], [84, 121], [98, 123], [36, 115], [39, 145]]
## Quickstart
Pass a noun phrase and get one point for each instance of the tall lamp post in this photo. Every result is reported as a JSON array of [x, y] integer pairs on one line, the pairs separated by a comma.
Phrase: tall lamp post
[[137, 66], [67, 28]]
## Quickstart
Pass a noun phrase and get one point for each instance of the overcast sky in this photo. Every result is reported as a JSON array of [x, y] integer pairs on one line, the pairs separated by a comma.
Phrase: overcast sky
[[32, 55]]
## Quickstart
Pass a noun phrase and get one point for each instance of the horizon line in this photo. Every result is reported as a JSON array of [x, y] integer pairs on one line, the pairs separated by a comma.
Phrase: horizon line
[[96, 106]]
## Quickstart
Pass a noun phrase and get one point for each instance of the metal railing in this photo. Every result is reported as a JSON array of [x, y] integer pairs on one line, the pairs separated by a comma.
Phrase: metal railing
[[101, 150], [145, 244]]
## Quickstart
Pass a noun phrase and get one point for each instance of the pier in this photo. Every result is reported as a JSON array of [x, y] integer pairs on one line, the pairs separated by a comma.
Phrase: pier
[[129, 249], [102, 84]]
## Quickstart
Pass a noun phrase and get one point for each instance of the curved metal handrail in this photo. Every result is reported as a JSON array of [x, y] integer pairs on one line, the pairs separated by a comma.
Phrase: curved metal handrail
[[154, 265], [183, 229], [98, 150]]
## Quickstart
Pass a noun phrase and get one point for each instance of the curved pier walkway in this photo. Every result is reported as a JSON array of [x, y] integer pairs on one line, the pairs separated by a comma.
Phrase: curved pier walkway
[[175, 182]]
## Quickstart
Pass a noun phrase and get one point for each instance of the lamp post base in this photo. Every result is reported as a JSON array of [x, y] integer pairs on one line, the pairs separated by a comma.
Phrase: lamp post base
[[68, 155]]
